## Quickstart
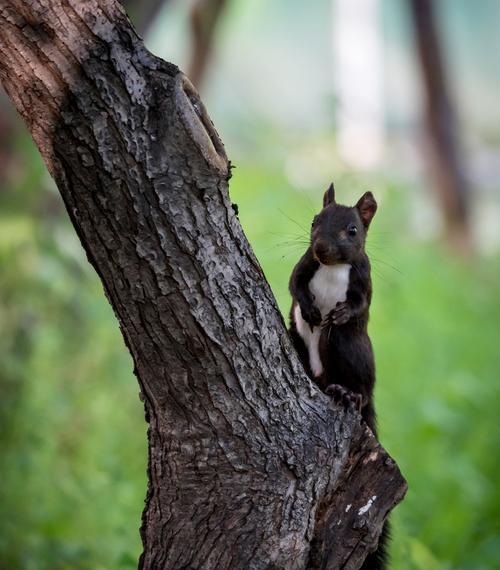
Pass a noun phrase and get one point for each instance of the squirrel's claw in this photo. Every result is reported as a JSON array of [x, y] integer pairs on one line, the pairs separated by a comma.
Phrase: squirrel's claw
[[340, 315], [346, 398], [311, 315]]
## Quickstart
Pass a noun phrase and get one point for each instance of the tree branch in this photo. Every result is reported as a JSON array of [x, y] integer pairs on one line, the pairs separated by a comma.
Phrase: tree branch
[[244, 453]]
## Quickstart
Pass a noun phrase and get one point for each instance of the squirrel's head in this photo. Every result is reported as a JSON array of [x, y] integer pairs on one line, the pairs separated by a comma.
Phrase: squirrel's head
[[338, 232]]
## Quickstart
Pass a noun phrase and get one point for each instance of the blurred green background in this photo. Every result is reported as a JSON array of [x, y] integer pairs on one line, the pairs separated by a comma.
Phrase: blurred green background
[[72, 430]]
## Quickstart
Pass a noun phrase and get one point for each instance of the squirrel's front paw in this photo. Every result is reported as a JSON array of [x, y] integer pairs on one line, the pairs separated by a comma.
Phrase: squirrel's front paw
[[344, 397], [311, 315], [340, 315]]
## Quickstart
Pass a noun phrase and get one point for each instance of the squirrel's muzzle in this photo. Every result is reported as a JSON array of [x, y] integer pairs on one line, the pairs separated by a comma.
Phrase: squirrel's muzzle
[[326, 252]]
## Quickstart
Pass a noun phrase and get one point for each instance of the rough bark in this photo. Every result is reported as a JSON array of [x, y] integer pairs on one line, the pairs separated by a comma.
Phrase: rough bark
[[249, 465], [442, 128]]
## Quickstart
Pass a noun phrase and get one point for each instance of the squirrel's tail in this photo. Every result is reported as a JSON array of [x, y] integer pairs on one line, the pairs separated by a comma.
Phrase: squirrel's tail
[[379, 559]]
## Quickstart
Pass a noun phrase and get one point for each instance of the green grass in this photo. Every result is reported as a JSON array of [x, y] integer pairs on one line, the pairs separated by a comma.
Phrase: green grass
[[71, 426]]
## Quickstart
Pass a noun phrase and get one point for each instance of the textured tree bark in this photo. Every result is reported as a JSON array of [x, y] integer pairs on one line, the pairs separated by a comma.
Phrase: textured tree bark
[[450, 181], [249, 465]]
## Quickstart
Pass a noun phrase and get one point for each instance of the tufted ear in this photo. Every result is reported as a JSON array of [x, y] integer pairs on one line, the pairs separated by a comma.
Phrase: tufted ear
[[367, 206], [329, 196]]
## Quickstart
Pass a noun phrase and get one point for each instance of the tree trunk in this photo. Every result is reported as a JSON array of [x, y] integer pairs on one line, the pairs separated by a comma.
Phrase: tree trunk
[[205, 16], [249, 465], [9, 126], [450, 180], [143, 12]]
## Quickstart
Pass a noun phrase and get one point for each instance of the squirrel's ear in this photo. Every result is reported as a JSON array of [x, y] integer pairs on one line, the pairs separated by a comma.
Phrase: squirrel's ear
[[329, 196], [367, 206]]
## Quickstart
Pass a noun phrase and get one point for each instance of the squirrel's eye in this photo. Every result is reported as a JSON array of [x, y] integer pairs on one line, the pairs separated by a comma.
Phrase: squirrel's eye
[[352, 230]]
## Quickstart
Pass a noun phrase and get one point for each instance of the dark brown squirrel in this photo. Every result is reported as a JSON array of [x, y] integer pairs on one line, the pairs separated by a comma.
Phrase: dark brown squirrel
[[332, 290]]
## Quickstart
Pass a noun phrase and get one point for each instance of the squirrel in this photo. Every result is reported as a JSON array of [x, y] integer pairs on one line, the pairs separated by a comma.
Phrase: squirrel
[[331, 290]]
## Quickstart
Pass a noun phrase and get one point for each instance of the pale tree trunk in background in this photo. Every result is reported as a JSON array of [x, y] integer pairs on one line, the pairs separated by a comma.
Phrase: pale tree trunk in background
[[358, 77], [448, 167], [249, 465], [205, 17]]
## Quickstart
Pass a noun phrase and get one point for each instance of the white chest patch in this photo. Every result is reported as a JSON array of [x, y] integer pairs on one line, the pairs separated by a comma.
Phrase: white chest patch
[[329, 287]]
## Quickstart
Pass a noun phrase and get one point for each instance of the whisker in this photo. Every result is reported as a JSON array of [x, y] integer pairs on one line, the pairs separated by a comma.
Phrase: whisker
[[291, 247], [301, 241], [288, 254], [293, 221], [376, 246], [357, 269], [284, 238], [377, 260], [309, 202], [380, 233], [378, 273]]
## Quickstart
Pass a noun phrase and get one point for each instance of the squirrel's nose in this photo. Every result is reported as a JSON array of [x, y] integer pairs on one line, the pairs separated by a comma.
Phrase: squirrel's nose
[[321, 249]]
